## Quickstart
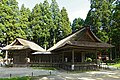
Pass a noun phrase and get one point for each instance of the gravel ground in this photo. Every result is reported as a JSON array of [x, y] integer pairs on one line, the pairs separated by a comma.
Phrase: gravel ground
[[60, 75], [15, 71]]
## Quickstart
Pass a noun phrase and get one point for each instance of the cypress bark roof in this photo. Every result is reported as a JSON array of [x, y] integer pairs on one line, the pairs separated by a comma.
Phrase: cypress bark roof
[[19, 44], [82, 38]]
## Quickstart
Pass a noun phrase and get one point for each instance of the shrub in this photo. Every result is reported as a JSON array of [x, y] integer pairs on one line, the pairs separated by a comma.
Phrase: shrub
[[117, 60], [109, 61]]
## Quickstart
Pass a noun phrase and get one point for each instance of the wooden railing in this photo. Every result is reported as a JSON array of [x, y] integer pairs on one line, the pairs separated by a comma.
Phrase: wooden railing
[[67, 66]]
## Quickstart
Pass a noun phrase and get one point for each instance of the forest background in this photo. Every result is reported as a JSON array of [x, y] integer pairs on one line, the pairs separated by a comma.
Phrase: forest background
[[46, 24]]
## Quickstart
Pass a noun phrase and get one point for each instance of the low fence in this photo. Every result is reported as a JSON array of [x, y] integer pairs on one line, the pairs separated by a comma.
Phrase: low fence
[[67, 66], [76, 67]]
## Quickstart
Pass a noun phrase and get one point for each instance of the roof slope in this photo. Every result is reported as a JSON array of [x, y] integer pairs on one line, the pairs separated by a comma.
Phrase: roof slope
[[83, 38], [63, 41], [19, 44]]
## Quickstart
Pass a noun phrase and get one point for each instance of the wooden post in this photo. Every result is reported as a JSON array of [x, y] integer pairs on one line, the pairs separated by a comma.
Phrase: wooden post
[[6, 57], [72, 66], [73, 56], [63, 57], [40, 58], [83, 57], [96, 56], [6, 54], [51, 58], [110, 54]]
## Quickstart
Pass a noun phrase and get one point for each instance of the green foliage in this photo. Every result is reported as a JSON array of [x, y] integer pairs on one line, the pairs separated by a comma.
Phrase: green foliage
[[99, 18], [110, 61], [66, 28], [1, 55], [57, 24], [104, 19], [88, 60], [115, 29], [24, 23], [17, 78], [117, 60], [116, 65], [77, 24], [10, 21]]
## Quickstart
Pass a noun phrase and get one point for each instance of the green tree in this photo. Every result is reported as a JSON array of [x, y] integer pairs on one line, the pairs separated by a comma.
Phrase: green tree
[[77, 24], [35, 24], [57, 24], [115, 29], [99, 18], [10, 19], [2, 18], [47, 23], [66, 28], [24, 22]]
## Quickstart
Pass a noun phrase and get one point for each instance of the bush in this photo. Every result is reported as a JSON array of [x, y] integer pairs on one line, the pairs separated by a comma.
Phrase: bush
[[109, 61], [117, 60]]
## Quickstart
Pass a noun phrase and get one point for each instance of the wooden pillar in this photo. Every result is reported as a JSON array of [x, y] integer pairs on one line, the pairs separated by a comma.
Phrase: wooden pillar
[[72, 66], [62, 56], [51, 58], [110, 54], [83, 57], [40, 58], [73, 56], [6, 57], [96, 56]]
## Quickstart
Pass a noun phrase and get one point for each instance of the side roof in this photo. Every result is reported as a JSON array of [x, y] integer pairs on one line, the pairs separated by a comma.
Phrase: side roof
[[19, 43]]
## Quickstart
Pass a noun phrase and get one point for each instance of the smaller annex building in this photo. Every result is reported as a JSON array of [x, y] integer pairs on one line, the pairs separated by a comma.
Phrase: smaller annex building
[[70, 53], [20, 50]]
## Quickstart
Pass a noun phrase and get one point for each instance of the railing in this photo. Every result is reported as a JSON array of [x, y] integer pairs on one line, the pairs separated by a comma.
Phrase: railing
[[78, 66], [67, 66], [43, 64]]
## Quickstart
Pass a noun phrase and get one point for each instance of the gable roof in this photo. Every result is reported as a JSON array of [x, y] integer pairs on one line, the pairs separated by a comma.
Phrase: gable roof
[[70, 40], [19, 44]]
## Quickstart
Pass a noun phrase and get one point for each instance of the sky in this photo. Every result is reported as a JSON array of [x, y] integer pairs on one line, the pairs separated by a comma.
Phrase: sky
[[75, 8]]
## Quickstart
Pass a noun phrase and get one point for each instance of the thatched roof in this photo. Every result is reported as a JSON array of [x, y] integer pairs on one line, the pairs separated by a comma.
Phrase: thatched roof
[[82, 38], [89, 44], [19, 44]]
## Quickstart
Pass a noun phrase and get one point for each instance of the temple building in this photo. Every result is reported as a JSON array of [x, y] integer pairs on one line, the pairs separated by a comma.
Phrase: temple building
[[78, 51]]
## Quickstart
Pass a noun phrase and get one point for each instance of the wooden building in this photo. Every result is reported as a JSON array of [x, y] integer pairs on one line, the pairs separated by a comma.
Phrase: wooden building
[[20, 50], [70, 53], [74, 50]]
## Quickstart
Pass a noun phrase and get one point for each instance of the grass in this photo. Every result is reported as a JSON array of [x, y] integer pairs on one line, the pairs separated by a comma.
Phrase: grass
[[116, 65], [17, 78]]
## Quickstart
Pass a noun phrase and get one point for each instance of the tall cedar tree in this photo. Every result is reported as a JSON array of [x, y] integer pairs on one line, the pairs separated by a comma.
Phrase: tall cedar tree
[[77, 24], [24, 22], [2, 21], [36, 22], [66, 28], [99, 18], [115, 31], [57, 23], [10, 20], [47, 23]]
